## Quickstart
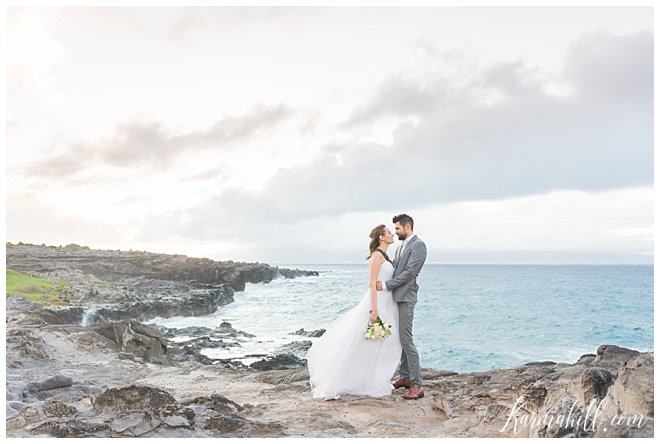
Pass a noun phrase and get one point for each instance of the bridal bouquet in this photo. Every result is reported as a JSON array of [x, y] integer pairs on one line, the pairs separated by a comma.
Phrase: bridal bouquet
[[377, 330]]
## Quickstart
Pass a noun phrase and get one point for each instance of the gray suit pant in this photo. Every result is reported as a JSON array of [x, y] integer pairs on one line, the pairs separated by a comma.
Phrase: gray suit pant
[[409, 368]]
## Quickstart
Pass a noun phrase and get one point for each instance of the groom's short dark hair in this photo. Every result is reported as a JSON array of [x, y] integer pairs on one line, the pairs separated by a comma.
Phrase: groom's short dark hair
[[404, 219]]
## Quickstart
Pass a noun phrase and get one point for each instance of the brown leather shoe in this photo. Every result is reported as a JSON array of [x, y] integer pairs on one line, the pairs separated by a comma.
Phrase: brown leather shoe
[[414, 393], [407, 383]]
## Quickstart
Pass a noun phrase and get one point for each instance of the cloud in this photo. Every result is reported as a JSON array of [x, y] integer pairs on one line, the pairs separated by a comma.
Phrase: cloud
[[556, 227], [153, 144], [402, 96], [613, 69], [466, 147], [512, 79], [447, 130]]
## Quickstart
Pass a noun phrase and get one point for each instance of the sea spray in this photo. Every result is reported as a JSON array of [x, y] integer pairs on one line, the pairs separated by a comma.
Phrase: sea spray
[[88, 316]]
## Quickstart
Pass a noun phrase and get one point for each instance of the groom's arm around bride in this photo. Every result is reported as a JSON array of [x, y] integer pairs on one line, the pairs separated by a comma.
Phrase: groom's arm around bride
[[411, 269]]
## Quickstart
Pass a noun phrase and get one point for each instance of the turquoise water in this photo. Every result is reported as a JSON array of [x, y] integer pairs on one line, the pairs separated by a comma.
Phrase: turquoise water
[[468, 317]]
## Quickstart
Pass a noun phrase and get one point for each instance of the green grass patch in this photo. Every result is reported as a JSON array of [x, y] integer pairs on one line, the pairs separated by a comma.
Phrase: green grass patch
[[35, 289]]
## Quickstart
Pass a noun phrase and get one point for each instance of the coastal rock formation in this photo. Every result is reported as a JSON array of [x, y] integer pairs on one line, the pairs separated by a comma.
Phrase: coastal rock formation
[[49, 384], [278, 362], [201, 338], [625, 394], [97, 369], [118, 266], [296, 348], [180, 302], [140, 411], [119, 285], [313, 334], [79, 384], [135, 341]]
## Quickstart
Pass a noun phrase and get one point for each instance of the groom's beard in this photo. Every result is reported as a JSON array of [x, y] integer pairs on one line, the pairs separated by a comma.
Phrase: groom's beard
[[402, 236]]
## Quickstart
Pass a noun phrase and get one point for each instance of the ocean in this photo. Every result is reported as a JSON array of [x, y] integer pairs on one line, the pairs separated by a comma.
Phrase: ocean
[[468, 317]]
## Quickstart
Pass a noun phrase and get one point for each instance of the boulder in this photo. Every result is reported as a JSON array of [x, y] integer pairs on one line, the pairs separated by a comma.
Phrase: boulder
[[297, 348], [613, 355], [236, 426], [132, 398], [278, 362], [55, 382], [25, 345], [594, 383], [633, 389], [217, 403], [313, 333], [135, 338], [58, 408]]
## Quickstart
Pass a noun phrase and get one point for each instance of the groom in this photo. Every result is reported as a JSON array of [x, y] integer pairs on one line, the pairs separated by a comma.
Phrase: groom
[[408, 261]]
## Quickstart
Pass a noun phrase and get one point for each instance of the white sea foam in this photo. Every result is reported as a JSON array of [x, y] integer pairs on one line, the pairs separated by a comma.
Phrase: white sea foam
[[88, 315]]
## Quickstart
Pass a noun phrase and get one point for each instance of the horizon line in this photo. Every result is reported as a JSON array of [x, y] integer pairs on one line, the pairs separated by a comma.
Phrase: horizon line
[[478, 263], [265, 261]]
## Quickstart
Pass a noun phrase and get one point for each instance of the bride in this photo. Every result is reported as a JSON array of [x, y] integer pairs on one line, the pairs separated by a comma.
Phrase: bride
[[342, 361]]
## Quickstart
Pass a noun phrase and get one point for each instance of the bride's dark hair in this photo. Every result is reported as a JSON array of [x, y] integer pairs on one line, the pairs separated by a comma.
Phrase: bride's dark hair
[[375, 235]]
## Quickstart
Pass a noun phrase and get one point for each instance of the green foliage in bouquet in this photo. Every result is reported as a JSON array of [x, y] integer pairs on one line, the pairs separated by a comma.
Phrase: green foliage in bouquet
[[378, 330]]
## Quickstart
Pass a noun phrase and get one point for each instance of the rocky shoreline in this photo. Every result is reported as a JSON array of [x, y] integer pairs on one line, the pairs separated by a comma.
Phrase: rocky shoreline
[[133, 285], [94, 367]]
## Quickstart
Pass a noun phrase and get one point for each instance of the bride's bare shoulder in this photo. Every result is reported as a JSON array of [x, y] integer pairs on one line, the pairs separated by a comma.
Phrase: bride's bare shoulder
[[377, 257]]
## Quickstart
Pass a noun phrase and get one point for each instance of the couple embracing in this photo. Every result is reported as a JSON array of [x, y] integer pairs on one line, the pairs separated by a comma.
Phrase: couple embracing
[[342, 361]]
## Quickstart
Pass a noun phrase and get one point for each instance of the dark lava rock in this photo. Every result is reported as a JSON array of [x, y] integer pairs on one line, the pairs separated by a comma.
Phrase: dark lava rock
[[237, 426], [314, 333], [26, 345], [595, 382], [132, 398], [55, 382], [217, 403], [136, 339], [58, 408], [586, 359], [278, 362], [72, 428], [189, 302], [224, 335], [69, 315], [614, 353], [297, 348], [222, 331]]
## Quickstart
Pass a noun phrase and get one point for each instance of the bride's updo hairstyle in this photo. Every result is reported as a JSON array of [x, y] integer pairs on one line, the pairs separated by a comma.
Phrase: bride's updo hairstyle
[[375, 235]]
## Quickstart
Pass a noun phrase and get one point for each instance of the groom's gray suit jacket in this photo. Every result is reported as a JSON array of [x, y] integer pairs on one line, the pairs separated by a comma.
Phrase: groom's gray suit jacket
[[403, 284]]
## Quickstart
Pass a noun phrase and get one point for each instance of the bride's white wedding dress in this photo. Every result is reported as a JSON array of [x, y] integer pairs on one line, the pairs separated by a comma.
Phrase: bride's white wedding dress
[[342, 361]]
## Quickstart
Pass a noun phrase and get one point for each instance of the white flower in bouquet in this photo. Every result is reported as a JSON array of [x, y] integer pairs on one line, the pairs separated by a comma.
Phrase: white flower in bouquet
[[378, 330]]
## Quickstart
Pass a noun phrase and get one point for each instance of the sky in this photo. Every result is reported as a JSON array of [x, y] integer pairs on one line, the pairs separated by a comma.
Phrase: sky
[[285, 134]]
